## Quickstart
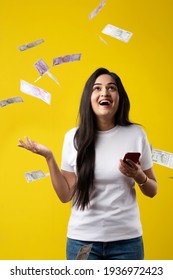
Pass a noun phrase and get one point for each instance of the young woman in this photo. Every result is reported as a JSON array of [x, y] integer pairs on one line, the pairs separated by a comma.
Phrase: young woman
[[94, 176]]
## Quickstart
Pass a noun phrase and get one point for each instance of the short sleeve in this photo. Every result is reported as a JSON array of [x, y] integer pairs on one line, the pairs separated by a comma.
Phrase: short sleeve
[[146, 158], [69, 153]]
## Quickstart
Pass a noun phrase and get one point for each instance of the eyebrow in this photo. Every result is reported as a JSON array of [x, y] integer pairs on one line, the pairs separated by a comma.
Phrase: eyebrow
[[111, 83]]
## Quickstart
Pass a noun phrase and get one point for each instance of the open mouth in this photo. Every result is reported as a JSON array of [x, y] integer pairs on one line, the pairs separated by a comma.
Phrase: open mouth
[[105, 102]]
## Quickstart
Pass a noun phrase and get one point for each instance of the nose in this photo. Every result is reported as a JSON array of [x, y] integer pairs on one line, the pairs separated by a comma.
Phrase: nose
[[104, 93]]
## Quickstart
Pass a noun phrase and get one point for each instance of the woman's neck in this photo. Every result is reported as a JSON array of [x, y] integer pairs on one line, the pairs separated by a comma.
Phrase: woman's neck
[[103, 125]]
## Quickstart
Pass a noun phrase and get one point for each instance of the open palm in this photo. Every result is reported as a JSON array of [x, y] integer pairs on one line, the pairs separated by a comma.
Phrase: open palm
[[34, 147]]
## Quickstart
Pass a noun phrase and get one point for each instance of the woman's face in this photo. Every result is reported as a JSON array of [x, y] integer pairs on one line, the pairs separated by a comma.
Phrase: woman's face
[[105, 97]]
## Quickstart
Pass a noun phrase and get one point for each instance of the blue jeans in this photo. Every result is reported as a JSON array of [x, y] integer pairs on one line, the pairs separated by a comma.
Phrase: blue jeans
[[131, 249]]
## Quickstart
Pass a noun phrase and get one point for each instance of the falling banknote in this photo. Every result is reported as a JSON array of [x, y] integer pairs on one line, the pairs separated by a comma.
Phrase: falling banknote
[[66, 58], [41, 66], [11, 100], [30, 45], [162, 158], [35, 91], [104, 41], [35, 175], [117, 33], [84, 252], [95, 12], [52, 77], [43, 69]]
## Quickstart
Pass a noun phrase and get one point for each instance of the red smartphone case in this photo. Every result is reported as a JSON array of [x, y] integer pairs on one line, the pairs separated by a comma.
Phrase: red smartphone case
[[134, 156]]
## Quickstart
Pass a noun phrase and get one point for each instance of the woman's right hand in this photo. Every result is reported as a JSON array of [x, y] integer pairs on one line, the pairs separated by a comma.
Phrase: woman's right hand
[[35, 147]]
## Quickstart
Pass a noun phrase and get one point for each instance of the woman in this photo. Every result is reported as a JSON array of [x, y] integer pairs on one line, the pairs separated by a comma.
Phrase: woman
[[94, 176]]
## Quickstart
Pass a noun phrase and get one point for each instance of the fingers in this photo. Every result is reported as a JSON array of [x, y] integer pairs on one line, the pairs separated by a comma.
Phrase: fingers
[[28, 141], [21, 144], [28, 144], [129, 169]]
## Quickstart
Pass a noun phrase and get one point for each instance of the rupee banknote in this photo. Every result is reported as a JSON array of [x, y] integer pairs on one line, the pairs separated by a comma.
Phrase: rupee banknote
[[66, 58], [30, 45], [117, 33], [41, 66], [35, 175], [162, 158], [53, 77], [43, 69], [37, 92], [95, 11], [84, 252], [11, 100], [50, 76], [104, 41]]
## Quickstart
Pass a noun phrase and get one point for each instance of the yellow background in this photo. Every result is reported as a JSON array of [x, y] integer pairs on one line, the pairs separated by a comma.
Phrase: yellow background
[[33, 222]]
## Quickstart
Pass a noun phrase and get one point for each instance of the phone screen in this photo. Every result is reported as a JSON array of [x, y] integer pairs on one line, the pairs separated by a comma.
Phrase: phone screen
[[134, 156]]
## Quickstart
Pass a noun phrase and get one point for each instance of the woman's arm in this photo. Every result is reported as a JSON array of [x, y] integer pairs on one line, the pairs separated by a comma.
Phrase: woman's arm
[[62, 181], [146, 180]]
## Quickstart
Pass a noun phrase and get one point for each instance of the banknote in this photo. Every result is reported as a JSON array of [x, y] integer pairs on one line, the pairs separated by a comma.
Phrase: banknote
[[84, 252], [35, 175], [95, 11], [38, 79], [53, 77], [41, 66], [104, 41], [117, 33], [11, 100], [43, 69], [35, 91], [30, 45], [50, 76], [66, 58], [162, 158]]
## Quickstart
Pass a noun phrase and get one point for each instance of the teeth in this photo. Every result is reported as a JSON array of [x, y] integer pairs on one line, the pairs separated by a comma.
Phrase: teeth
[[104, 102]]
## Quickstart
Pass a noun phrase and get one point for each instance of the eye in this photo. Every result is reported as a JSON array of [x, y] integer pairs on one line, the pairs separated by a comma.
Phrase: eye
[[96, 88], [112, 88]]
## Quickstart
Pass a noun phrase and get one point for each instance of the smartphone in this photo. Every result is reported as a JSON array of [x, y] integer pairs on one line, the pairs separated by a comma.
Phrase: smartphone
[[134, 156]]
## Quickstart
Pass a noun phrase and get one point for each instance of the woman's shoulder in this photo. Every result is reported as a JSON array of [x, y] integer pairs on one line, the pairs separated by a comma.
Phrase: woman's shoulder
[[135, 128], [70, 133]]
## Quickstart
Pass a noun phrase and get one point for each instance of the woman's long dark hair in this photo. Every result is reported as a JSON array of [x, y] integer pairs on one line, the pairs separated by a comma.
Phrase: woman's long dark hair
[[86, 133]]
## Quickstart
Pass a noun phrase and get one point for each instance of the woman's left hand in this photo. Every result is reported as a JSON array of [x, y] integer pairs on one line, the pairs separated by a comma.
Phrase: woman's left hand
[[145, 179], [130, 169]]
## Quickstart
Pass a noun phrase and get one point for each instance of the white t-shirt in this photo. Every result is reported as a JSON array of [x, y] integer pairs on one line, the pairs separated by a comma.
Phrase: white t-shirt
[[113, 213]]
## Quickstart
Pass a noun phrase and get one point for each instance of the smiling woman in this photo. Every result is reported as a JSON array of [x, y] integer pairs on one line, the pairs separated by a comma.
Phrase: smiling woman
[[104, 101], [101, 186], [33, 221]]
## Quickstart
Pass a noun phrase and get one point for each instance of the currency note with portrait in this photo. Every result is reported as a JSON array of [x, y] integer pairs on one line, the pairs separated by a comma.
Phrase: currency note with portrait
[[95, 12], [66, 58], [117, 33], [84, 252], [35, 175], [162, 158], [37, 92], [11, 100], [30, 45], [41, 66]]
